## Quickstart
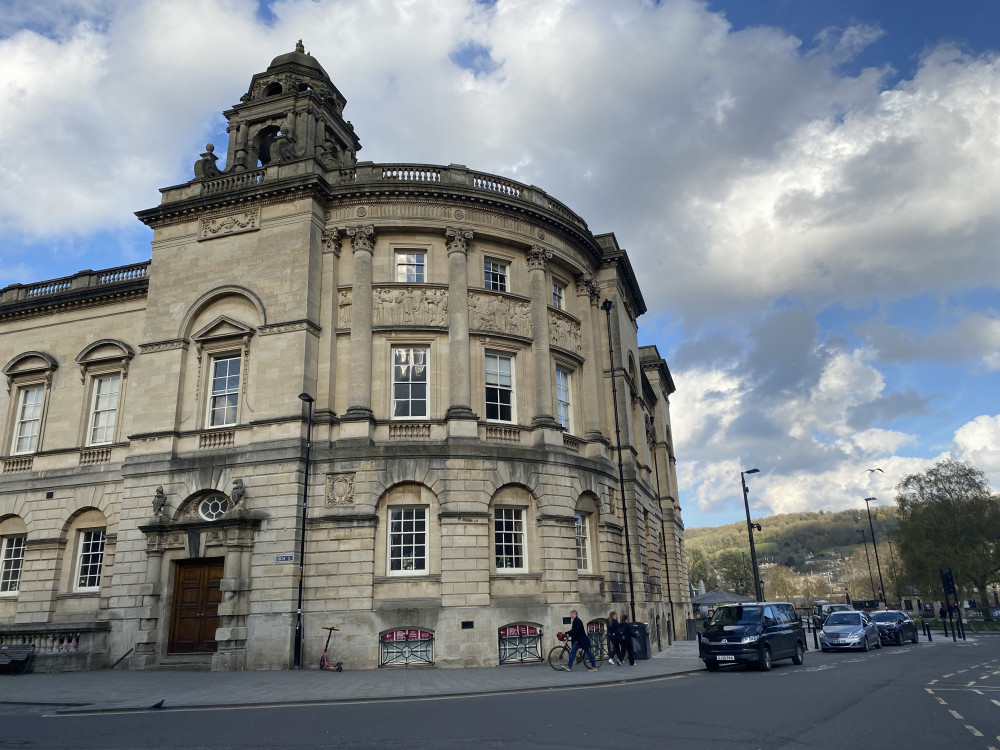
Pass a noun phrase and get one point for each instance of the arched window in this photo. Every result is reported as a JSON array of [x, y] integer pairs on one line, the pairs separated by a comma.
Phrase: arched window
[[520, 643], [404, 646]]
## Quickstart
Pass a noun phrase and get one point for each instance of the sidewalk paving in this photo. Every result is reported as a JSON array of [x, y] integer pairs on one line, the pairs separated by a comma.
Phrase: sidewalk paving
[[120, 690]]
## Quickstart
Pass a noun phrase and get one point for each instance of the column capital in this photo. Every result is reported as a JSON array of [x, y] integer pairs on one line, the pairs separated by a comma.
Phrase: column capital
[[362, 237], [537, 256], [332, 239], [586, 283], [457, 240]]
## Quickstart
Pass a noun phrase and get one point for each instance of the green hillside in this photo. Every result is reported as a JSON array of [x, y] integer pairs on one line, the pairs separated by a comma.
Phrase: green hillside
[[800, 541]]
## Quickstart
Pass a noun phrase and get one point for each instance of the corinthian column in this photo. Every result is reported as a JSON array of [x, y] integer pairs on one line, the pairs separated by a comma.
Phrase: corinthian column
[[543, 419], [460, 417], [588, 295], [360, 392]]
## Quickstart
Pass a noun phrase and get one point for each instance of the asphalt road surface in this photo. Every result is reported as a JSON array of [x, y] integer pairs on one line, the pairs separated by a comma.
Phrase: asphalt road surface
[[930, 695]]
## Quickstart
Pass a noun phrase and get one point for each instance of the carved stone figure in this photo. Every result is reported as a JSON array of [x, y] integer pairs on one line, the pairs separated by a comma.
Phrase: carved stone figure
[[344, 317], [159, 501], [239, 491]]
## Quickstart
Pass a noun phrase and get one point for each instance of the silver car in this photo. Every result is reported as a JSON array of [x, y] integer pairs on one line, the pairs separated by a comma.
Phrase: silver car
[[849, 630]]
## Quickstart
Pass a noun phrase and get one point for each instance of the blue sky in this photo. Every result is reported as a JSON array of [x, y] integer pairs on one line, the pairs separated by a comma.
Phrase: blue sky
[[806, 189]]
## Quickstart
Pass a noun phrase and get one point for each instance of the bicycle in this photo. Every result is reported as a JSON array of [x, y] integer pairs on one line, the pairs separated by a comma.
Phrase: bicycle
[[324, 662], [559, 655]]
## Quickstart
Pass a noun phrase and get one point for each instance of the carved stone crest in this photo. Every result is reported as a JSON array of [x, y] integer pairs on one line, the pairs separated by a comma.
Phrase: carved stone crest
[[159, 501], [340, 489]]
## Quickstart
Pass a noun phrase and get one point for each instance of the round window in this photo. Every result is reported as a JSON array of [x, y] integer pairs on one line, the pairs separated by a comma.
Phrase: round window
[[214, 507]]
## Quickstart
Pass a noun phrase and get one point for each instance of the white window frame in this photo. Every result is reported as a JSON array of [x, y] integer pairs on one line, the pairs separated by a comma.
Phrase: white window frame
[[510, 553], [581, 531], [408, 384], [407, 528], [101, 410], [11, 563], [497, 383], [496, 275], [558, 295], [404, 264], [21, 420], [564, 398], [90, 559], [223, 393]]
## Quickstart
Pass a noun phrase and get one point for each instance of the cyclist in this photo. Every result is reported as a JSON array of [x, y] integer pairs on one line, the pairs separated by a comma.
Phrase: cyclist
[[578, 635]]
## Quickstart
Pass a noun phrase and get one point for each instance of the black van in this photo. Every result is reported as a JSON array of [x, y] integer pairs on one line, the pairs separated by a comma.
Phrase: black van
[[752, 633]]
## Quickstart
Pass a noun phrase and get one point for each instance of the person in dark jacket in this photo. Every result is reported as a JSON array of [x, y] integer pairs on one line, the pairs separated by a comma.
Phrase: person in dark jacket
[[626, 646], [578, 635], [616, 639]]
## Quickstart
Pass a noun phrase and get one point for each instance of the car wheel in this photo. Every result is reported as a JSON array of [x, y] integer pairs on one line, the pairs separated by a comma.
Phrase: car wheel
[[825, 650], [864, 644], [915, 637], [712, 666], [878, 643], [800, 653], [765, 659], [899, 638]]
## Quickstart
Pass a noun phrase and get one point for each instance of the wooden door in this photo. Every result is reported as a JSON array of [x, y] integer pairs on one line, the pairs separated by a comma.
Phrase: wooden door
[[195, 613]]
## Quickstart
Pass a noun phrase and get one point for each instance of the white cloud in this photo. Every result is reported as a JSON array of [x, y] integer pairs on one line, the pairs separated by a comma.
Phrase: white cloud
[[978, 443]]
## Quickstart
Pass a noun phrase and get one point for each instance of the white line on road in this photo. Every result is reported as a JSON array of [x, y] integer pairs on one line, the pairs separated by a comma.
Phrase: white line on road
[[956, 714], [975, 732]]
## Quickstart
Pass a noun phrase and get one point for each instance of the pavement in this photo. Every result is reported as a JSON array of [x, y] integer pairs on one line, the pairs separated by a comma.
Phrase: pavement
[[108, 690]]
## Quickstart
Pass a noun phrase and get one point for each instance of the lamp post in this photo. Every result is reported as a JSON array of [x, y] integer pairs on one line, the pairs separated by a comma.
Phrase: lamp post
[[750, 528], [297, 663], [894, 573], [871, 578], [877, 563], [606, 306]]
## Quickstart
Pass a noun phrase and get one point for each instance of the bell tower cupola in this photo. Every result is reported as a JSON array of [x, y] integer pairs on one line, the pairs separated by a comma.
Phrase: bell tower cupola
[[291, 112]]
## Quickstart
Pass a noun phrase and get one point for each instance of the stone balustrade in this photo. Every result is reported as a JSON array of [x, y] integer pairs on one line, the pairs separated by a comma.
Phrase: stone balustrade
[[62, 648], [84, 280]]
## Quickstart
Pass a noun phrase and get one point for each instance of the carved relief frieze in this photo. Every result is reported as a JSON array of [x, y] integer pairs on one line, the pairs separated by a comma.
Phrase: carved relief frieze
[[340, 489], [162, 346], [497, 313], [233, 223], [409, 306], [289, 327], [564, 332]]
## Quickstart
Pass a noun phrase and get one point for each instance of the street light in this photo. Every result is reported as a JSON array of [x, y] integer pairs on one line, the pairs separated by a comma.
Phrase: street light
[[877, 563], [297, 659], [871, 579], [750, 528], [606, 306]]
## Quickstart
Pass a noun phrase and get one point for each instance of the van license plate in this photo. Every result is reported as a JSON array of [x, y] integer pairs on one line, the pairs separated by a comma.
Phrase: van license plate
[[725, 658]]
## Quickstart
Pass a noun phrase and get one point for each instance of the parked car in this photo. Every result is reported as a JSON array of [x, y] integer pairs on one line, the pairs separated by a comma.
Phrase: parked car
[[757, 633], [822, 610], [849, 630], [895, 626]]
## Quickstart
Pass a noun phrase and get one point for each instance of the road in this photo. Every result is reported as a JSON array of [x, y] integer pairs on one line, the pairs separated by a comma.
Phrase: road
[[938, 694]]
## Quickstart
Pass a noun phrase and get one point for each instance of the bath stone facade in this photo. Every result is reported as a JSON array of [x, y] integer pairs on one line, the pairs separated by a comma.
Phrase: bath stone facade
[[453, 450]]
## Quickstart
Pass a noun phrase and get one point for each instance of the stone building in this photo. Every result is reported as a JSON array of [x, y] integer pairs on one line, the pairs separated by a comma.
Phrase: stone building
[[444, 327]]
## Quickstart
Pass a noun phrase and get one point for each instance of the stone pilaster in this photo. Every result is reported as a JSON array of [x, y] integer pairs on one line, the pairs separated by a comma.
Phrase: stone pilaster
[[359, 409], [588, 293], [331, 240], [545, 424], [462, 421]]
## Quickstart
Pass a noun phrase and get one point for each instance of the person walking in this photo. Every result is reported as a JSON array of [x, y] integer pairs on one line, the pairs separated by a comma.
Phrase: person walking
[[616, 639], [626, 646], [578, 635]]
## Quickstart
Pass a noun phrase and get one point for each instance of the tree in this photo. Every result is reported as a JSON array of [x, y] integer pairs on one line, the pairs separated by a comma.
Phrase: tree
[[736, 572], [700, 569], [782, 583], [948, 518]]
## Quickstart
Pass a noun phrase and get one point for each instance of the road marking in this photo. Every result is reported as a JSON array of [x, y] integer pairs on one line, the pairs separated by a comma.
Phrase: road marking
[[978, 692], [932, 682], [975, 732], [996, 702], [962, 671], [956, 714], [946, 676], [940, 700], [970, 684]]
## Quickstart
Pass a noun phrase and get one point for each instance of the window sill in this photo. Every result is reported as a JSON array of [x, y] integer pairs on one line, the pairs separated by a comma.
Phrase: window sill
[[403, 577], [82, 594], [522, 574]]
